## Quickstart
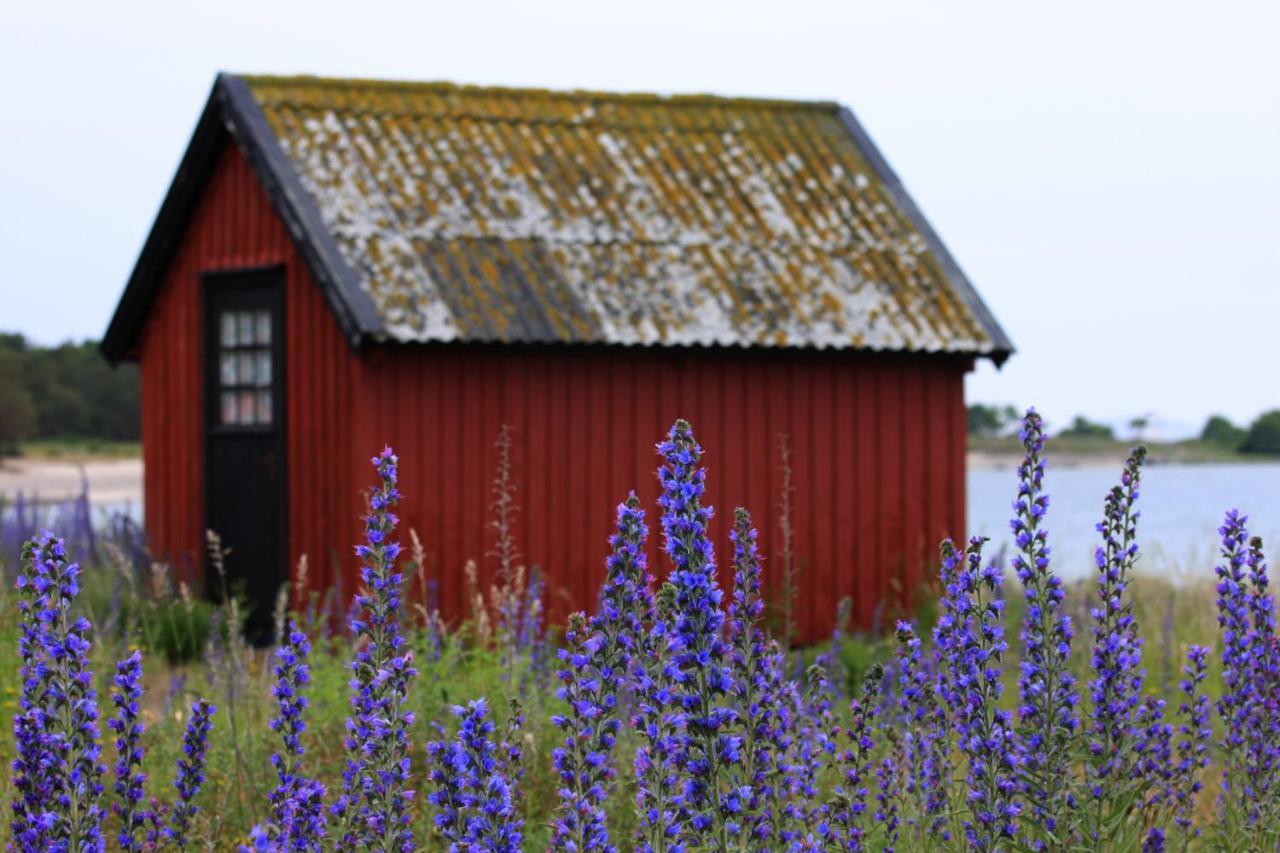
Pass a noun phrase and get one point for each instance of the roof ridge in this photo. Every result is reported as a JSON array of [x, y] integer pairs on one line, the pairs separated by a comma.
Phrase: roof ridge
[[692, 99]]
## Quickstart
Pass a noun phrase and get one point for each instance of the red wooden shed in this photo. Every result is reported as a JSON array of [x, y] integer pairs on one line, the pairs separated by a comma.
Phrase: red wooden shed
[[343, 264]]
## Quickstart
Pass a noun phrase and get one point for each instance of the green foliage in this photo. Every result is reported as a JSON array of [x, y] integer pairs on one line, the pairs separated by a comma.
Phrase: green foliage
[[1082, 427], [1222, 432], [72, 390], [1264, 434], [17, 411], [991, 421]]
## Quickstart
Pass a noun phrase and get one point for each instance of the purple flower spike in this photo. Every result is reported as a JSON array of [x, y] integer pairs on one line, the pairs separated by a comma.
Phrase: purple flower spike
[[297, 803], [847, 809], [596, 661], [697, 649], [1113, 771], [474, 791], [128, 729], [190, 772], [970, 635], [660, 723], [1046, 688], [926, 744], [374, 806], [1194, 734], [57, 774]]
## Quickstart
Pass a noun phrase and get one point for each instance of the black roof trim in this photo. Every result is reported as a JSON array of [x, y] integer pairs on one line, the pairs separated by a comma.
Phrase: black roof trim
[[232, 113], [1002, 346]]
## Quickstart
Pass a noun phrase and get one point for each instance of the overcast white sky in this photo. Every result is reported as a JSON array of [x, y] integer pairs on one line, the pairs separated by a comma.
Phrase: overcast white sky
[[1106, 172]]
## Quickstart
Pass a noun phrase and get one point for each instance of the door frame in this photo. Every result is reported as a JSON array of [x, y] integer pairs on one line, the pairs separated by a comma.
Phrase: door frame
[[271, 278]]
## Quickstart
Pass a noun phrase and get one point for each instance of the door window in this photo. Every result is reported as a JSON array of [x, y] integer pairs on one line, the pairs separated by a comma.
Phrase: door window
[[245, 389]]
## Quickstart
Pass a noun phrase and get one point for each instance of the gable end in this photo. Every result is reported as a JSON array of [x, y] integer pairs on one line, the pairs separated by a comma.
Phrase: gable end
[[231, 114]]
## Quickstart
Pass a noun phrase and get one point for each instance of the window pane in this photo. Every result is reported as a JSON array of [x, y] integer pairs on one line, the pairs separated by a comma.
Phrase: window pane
[[227, 368], [263, 371], [246, 407], [246, 372], [229, 410], [228, 334], [263, 323], [264, 407], [246, 328]]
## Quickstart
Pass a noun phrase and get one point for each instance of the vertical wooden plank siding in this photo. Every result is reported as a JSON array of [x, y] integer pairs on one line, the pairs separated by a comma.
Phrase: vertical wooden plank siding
[[877, 444]]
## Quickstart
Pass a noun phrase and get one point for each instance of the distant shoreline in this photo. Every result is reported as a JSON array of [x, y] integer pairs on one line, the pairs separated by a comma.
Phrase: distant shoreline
[[1004, 454]]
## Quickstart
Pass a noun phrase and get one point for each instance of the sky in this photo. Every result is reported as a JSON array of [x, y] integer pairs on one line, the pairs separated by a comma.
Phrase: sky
[[1105, 172]]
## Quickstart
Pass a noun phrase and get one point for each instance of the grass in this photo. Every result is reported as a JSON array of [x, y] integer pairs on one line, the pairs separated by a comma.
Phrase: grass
[[79, 449]]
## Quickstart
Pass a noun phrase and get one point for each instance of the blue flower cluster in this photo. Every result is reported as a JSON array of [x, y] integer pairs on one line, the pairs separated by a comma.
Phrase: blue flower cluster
[[195, 742], [57, 777], [1047, 694], [128, 729], [730, 752], [57, 774], [473, 787], [925, 736], [1116, 662], [1250, 702], [373, 809], [698, 651], [970, 636], [596, 661], [297, 802]]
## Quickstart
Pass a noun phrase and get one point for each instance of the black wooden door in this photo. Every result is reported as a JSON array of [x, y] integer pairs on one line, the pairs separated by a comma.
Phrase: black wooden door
[[244, 438]]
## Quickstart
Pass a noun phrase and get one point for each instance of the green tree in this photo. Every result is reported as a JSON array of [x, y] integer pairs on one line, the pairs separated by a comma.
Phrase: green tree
[[1222, 432], [1264, 434], [71, 392], [1082, 427], [990, 421], [17, 412]]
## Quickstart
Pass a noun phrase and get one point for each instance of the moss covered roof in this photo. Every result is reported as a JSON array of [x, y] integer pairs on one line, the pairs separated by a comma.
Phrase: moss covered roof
[[511, 215]]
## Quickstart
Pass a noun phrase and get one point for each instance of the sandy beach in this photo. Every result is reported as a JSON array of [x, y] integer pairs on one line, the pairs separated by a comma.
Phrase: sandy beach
[[111, 481]]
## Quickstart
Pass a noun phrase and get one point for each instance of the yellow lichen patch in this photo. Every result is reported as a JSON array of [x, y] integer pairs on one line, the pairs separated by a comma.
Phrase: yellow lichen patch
[[526, 215]]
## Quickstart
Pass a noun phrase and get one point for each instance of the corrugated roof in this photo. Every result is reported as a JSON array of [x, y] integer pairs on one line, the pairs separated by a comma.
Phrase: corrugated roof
[[501, 215]]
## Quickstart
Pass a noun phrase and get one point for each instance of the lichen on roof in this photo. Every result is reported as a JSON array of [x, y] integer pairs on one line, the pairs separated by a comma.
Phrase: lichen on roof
[[507, 215]]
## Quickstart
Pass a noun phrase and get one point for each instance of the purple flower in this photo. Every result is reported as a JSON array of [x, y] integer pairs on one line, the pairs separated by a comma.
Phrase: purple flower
[[374, 806], [844, 821], [297, 803], [1240, 695], [889, 792], [128, 773], [35, 779], [596, 661], [970, 635], [474, 790], [1264, 674], [1046, 688], [926, 743], [1114, 768], [1194, 734], [57, 727], [697, 649], [757, 668], [190, 776], [660, 724]]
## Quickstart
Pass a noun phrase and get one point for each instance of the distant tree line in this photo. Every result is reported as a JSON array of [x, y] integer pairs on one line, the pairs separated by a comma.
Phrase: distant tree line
[[67, 391], [1262, 436]]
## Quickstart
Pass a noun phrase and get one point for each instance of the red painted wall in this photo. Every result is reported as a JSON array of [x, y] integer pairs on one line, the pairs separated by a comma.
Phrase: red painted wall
[[877, 439], [877, 454]]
